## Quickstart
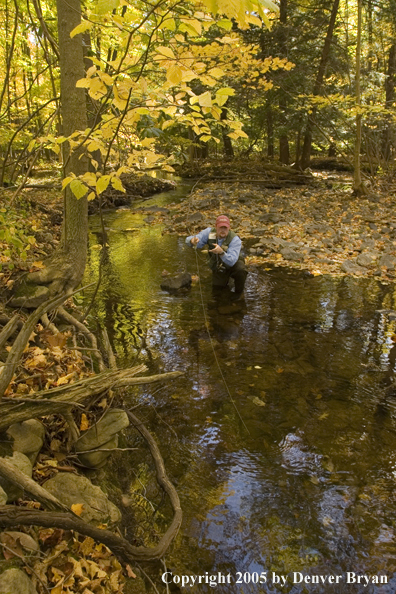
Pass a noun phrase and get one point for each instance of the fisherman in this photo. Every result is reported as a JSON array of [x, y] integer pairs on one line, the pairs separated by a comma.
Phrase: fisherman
[[224, 251]]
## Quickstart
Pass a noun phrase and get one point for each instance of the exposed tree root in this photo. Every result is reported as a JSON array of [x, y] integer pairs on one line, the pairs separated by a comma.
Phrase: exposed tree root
[[73, 394], [11, 516], [67, 317], [62, 399], [49, 325], [9, 330], [62, 273]]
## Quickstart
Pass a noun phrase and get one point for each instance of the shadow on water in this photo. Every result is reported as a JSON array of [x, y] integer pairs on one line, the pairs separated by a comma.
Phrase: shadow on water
[[309, 362]]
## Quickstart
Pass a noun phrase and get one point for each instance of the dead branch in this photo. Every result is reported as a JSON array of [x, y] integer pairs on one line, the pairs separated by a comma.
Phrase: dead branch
[[74, 430], [21, 480], [91, 387], [22, 339], [49, 325], [67, 317], [9, 330]]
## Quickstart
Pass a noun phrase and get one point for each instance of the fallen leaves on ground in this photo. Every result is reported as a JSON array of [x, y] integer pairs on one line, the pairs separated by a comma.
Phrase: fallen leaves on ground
[[76, 565]]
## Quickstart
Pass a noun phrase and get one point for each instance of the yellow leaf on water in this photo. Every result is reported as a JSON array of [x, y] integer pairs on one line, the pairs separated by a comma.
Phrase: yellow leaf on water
[[323, 416]]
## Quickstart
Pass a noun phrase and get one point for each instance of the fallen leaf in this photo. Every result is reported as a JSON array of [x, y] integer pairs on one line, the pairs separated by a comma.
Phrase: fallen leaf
[[84, 424], [130, 572], [57, 340], [258, 402], [77, 508], [38, 264]]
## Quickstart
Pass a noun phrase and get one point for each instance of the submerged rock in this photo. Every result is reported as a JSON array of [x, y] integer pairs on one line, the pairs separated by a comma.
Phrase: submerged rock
[[174, 283]]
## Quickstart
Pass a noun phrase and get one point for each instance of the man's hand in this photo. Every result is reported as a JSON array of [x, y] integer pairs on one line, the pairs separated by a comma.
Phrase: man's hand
[[194, 240], [217, 250]]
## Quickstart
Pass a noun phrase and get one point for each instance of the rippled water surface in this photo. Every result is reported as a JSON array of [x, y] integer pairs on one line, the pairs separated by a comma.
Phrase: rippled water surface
[[280, 437]]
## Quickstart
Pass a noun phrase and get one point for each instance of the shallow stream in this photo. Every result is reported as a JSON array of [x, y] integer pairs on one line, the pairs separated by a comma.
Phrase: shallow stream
[[281, 436]]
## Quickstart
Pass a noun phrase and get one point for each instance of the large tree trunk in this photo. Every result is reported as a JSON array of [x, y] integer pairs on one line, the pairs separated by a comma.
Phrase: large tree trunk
[[270, 131], [389, 100], [306, 152], [358, 187], [284, 153], [228, 148], [66, 268]]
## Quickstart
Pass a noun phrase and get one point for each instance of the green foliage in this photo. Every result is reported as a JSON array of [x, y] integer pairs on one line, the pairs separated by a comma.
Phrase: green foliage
[[14, 242]]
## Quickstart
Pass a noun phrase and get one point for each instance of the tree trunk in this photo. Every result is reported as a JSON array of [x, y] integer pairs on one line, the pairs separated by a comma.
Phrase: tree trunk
[[389, 101], [66, 268], [306, 152], [358, 187], [228, 148], [270, 132], [284, 153]]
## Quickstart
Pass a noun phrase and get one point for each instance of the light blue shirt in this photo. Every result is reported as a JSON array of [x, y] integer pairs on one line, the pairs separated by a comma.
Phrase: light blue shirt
[[230, 257]]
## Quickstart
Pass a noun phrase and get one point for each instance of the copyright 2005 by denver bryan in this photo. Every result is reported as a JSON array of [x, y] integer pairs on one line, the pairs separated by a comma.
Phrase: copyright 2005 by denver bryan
[[272, 578]]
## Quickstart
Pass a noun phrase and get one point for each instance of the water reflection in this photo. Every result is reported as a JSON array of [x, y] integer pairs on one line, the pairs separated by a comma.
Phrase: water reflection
[[307, 481]]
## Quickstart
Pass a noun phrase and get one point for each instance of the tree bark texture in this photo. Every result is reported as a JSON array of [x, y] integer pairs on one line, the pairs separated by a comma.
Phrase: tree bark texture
[[228, 148], [358, 187], [66, 268], [389, 101], [306, 152], [284, 153]]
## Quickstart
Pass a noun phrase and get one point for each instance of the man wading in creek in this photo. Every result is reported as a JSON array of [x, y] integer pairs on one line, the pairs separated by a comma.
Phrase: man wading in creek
[[224, 251]]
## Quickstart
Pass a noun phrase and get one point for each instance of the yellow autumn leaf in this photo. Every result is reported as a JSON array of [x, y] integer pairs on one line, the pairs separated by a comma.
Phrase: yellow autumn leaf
[[84, 424], [166, 51], [205, 100], [65, 379], [174, 74], [117, 184], [102, 183], [77, 508], [81, 28]]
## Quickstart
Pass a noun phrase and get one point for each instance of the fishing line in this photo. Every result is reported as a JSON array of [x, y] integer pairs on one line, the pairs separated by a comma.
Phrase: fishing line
[[213, 347], [207, 323]]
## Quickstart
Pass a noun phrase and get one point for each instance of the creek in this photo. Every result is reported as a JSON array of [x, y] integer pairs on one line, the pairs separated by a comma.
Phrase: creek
[[281, 436]]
